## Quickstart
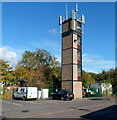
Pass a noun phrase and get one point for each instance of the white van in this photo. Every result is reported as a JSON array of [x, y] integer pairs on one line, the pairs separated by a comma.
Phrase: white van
[[26, 93]]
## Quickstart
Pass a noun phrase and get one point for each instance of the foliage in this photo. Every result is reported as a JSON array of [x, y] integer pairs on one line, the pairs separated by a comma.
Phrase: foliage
[[31, 60], [109, 76], [41, 69], [7, 94], [87, 79], [38, 68], [21, 73], [6, 73], [56, 76]]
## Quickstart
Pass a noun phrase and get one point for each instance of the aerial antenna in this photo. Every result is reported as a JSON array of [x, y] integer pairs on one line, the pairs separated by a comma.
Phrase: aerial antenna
[[76, 8], [83, 22], [60, 23], [60, 20], [83, 19], [66, 11]]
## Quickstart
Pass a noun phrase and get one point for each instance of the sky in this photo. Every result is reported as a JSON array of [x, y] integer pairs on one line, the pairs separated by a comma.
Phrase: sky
[[28, 25]]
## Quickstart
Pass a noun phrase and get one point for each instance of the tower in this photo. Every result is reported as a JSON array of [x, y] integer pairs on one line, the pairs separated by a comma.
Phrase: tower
[[72, 52]]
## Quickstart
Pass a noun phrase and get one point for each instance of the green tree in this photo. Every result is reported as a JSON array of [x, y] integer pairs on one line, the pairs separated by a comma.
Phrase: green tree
[[109, 76], [87, 79], [41, 66], [113, 79], [21, 73], [6, 73], [56, 77]]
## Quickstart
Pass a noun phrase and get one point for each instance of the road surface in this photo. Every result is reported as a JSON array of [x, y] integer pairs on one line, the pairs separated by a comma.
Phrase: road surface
[[79, 108]]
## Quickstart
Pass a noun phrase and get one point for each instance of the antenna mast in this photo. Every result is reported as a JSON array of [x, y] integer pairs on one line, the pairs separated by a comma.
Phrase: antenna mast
[[76, 8], [66, 11]]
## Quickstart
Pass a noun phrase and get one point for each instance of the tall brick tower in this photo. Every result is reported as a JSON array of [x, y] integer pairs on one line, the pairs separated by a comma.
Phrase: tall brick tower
[[72, 52]]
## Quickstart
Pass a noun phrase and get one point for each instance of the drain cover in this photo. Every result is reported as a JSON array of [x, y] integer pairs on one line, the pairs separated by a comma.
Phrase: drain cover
[[25, 110]]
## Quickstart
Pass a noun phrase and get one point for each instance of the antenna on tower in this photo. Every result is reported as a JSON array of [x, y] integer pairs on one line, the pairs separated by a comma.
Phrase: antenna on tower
[[60, 20], [66, 11], [60, 23], [83, 22], [76, 8], [83, 19]]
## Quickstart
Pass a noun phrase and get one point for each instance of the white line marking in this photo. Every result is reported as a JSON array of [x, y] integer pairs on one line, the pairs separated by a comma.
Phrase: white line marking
[[12, 103], [32, 102]]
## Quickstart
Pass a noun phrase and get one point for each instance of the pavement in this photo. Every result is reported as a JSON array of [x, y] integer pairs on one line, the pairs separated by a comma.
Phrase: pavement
[[86, 108]]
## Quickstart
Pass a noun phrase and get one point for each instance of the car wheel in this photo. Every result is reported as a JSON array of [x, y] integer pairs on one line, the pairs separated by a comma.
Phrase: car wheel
[[13, 97], [62, 98], [50, 98], [24, 98]]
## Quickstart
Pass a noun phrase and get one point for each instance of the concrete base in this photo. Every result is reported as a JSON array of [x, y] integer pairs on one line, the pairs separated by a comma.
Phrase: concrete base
[[77, 90]]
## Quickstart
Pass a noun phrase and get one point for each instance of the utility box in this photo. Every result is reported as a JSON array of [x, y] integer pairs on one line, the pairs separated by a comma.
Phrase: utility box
[[44, 93]]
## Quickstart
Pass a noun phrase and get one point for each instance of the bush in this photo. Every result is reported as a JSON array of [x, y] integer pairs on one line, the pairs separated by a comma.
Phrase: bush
[[7, 94]]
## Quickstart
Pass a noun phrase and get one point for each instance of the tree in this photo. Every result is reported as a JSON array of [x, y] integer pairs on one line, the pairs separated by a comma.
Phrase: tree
[[37, 77], [113, 79], [6, 73], [87, 79], [56, 77], [41, 66], [109, 76], [31, 60], [21, 73]]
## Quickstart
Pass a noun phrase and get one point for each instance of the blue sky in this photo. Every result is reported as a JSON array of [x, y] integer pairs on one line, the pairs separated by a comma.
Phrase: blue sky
[[27, 26]]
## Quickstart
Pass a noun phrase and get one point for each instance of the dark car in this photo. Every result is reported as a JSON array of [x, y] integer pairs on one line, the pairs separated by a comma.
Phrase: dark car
[[63, 95]]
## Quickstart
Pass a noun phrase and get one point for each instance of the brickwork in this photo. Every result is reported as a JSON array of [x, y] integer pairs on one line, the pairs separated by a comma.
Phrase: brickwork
[[71, 57], [66, 59], [67, 85], [67, 72]]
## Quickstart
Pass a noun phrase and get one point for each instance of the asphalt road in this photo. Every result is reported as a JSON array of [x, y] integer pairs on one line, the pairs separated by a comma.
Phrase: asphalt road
[[80, 108]]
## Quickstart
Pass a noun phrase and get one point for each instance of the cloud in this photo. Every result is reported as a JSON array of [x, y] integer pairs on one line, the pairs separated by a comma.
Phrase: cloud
[[7, 54], [94, 63], [53, 31]]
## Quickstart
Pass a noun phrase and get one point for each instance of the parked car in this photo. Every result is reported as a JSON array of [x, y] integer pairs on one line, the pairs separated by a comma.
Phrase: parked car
[[63, 95]]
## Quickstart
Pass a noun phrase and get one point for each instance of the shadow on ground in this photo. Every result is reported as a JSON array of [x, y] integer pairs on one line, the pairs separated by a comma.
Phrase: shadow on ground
[[99, 99], [109, 113]]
